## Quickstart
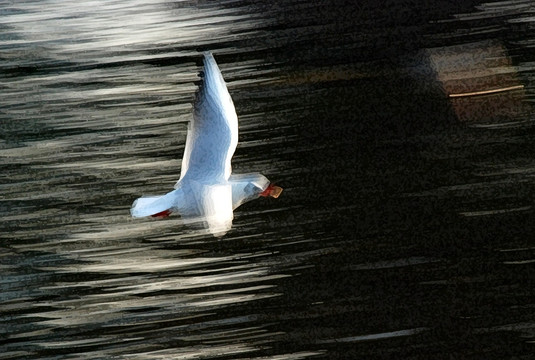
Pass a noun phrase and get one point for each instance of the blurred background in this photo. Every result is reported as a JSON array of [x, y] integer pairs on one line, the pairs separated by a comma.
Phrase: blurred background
[[401, 131]]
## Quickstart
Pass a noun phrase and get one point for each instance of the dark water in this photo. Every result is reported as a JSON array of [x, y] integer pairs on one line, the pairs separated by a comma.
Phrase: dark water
[[405, 228]]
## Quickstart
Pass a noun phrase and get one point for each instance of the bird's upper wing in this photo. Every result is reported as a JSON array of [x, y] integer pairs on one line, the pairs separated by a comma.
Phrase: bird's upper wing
[[213, 132]]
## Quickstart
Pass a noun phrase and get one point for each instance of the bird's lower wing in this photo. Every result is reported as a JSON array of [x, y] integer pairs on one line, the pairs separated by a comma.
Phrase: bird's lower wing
[[217, 208]]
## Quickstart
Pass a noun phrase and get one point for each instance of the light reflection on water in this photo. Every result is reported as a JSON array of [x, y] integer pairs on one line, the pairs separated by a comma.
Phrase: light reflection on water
[[351, 260], [86, 134]]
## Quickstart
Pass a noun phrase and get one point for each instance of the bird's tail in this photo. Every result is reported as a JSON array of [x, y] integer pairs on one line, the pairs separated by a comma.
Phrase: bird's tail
[[154, 205]]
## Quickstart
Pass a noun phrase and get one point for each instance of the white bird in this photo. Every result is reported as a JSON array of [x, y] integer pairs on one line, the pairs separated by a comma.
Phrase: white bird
[[207, 190]]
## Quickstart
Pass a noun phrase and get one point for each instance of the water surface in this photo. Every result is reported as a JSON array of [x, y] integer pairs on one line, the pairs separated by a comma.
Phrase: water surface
[[404, 228]]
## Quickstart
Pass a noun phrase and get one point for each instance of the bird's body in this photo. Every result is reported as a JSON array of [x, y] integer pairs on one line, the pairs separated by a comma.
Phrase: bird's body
[[207, 190]]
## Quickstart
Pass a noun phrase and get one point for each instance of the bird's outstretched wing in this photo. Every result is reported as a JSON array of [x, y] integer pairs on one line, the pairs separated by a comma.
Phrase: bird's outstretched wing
[[213, 132]]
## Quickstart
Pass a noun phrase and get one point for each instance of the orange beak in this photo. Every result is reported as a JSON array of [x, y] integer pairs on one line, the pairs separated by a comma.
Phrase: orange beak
[[272, 190]]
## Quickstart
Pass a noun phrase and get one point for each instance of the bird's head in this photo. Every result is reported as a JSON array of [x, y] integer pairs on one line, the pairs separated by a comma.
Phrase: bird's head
[[248, 187]]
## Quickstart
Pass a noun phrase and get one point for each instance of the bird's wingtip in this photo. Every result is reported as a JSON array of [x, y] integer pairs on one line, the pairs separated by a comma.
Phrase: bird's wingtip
[[210, 66], [208, 55]]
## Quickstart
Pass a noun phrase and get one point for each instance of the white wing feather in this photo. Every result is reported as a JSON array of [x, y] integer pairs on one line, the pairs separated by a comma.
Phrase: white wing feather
[[213, 133]]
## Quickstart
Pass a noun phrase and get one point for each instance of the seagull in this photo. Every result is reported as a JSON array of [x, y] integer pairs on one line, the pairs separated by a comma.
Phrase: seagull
[[207, 190]]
